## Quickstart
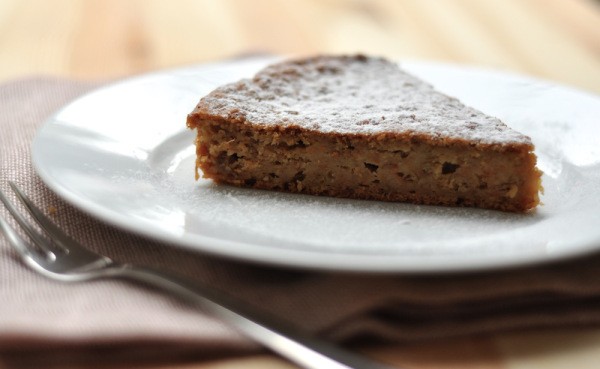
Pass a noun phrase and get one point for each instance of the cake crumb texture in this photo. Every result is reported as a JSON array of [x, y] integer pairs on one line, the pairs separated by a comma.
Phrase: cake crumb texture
[[360, 127]]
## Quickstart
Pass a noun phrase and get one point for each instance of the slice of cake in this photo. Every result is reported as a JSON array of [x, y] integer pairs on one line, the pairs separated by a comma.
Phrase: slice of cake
[[360, 127]]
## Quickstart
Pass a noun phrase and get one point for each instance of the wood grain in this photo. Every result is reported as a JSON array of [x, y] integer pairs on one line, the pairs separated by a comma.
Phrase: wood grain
[[93, 39]]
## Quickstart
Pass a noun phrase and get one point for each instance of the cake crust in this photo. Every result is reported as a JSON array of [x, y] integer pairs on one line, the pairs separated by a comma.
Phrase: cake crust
[[360, 127]]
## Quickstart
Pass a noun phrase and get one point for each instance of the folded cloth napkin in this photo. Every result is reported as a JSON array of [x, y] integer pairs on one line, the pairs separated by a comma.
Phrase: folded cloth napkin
[[121, 320]]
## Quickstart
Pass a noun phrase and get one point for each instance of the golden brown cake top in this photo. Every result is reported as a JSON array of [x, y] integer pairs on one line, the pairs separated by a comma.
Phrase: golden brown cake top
[[353, 95]]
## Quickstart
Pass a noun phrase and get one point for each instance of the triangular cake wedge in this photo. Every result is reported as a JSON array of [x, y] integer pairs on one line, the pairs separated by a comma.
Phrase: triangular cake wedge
[[360, 127]]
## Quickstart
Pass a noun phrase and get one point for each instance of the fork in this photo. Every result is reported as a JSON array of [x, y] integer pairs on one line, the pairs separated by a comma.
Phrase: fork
[[62, 258]]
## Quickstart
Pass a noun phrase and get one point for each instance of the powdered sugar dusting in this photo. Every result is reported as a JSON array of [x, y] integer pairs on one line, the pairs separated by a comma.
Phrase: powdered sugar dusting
[[353, 95]]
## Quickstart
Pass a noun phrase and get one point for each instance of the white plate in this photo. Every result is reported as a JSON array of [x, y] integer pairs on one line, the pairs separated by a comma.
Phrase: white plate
[[123, 154]]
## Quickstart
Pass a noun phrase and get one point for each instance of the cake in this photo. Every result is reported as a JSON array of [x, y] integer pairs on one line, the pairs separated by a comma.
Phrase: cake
[[360, 127]]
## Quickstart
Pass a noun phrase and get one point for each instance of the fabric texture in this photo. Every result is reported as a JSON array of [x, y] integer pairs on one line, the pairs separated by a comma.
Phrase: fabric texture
[[121, 320]]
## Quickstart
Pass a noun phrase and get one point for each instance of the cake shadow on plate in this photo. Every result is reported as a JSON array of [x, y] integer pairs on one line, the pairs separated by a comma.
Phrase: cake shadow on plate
[[290, 220]]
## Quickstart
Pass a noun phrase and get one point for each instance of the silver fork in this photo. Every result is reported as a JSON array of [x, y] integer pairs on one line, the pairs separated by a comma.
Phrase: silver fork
[[62, 258]]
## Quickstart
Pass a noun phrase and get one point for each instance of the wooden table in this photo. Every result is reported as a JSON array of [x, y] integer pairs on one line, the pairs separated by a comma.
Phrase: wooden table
[[557, 40]]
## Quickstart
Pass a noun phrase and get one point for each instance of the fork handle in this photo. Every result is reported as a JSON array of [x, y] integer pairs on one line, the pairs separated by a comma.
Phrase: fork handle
[[299, 347]]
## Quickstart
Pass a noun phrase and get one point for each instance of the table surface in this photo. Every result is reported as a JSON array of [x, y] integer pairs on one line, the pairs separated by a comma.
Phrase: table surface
[[558, 40]]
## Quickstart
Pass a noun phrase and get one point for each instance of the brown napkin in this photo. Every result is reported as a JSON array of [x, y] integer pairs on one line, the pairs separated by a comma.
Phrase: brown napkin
[[118, 320]]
